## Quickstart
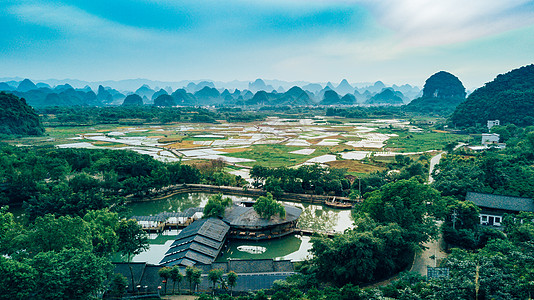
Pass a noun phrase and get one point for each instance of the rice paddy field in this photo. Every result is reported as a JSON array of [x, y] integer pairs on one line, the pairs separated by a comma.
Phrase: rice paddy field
[[360, 146]]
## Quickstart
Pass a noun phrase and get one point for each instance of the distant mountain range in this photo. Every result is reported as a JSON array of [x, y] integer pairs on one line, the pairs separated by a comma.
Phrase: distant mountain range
[[202, 93]]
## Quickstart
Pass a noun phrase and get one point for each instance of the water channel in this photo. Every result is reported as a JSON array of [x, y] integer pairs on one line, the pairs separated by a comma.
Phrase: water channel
[[294, 247]]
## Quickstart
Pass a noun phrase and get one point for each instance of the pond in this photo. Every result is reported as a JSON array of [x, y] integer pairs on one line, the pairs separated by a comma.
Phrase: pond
[[293, 247]]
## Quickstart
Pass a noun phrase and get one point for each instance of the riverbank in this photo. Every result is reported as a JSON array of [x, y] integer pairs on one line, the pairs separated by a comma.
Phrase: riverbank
[[237, 191]]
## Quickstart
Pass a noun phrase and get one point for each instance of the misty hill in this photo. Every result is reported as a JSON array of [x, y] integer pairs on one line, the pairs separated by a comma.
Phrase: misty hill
[[386, 97], [183, 98], [259, 85], [144, 91], [195, 87], [17, 117], [330, 98], [441, 94], [164, 101], [508, 98], [133, 100], [158, 93], [294, 96], [26, 85], [208, 96], [344, 88]]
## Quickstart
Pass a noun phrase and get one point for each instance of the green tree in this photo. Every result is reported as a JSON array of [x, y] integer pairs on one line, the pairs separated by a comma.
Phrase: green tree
[[216, 206], [103, 225], [214, 276], [118, 285], [406, 203], [165, 273], [176, 277], [69, 274], [231, 280], [267, 207], [132, 241], [17, 280], [9, 232], [54, 234], [193, 276]]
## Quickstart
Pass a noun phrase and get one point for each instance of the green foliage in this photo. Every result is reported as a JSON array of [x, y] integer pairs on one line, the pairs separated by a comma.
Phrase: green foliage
[[441, 94], [505, 172], [69, 274], [16, 117], [132, 241], [216, 206], [368, 253], [267, 207], [17, 280], [305, 178], [193, 276], [165, 273], [231, 280], [215, 275], [118, 285], [508, 98], [405, 203], [176, 277]]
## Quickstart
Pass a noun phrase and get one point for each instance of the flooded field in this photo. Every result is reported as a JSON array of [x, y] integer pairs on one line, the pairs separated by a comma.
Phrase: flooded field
[[294, 247]]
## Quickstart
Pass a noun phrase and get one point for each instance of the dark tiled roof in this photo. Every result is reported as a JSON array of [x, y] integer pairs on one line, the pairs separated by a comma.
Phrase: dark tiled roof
[[501, 202], [161, 217], [156, 218], [246, 217], [199, 242]]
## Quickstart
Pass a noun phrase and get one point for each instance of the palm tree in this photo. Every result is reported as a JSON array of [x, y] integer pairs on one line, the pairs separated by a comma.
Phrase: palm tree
[[165, 273], [176, 277], [231, 280], [214, 276]]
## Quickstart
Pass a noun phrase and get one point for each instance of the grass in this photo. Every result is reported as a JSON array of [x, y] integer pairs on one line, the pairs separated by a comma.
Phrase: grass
[[354, 166], [415, 142]]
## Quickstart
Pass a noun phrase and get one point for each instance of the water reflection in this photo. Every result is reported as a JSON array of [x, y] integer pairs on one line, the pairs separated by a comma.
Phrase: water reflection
[[316, 218], [295, 247], [276, 248]]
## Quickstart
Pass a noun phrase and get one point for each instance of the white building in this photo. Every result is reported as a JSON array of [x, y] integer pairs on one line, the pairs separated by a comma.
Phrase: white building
[[490, 138], [492, 123]]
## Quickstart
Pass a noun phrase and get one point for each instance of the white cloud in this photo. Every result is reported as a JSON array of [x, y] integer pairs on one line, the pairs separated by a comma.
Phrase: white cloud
[[74, 21], [419, 23]]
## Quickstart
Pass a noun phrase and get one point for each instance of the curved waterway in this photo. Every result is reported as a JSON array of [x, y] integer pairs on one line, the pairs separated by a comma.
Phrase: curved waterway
[[293, 247]]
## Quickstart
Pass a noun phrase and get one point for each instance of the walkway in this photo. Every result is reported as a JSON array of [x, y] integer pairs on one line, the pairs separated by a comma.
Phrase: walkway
[[431, 256], [433, 162]]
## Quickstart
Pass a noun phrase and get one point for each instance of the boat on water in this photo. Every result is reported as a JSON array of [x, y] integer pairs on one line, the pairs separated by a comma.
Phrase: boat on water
[[337, 204], [252, 249]]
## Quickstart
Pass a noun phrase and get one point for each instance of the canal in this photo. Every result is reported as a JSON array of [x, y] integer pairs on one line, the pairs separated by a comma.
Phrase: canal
[[293, 247]]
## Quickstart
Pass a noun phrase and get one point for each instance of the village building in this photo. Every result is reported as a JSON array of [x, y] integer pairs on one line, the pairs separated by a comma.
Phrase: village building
[[490, 138], [199, 243], [493, 207], [492, 123], [165, 220], [245, 223]]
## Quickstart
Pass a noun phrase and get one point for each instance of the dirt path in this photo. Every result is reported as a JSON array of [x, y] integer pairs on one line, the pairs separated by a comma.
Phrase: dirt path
[[431, 257]]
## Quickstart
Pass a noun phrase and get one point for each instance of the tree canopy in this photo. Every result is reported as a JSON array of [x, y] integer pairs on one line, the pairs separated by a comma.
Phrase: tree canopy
[[267, 207]]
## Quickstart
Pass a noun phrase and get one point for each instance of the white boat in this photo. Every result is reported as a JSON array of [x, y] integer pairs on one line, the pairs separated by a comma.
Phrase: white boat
[[252, 249]]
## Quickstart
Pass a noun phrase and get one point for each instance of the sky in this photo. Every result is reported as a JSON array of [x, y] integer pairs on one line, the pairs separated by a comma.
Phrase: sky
[[395, 41]]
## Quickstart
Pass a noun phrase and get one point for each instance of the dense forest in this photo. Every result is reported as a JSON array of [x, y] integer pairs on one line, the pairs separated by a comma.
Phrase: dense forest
[[441, 94], [17, 117], [508, 98]]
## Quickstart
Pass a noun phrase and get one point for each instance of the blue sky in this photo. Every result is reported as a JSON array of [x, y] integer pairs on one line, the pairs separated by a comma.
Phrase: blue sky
[[396, 41]]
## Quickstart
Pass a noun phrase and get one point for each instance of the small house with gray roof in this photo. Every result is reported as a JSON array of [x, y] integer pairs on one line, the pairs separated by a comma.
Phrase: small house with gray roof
[[246, 224], [198, 243], [493, 207]]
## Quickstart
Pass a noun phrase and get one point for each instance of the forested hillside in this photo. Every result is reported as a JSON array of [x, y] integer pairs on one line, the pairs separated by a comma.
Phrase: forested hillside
[[508, 98], [441, 94], [17, 117]]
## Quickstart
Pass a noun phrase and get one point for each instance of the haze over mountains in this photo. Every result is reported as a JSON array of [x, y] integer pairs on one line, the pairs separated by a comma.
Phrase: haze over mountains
[[257, 92]]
